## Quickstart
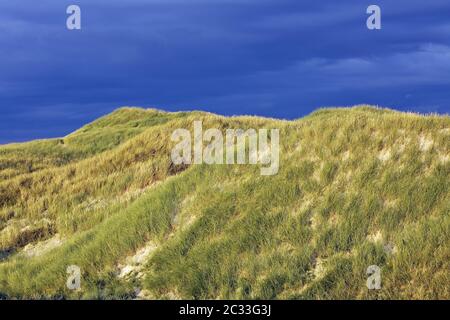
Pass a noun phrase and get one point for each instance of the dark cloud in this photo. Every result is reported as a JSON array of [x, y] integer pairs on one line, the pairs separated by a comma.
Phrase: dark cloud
[[279, 58]]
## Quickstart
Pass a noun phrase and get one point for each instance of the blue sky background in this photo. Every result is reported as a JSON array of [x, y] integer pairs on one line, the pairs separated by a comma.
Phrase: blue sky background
[[280, 58]]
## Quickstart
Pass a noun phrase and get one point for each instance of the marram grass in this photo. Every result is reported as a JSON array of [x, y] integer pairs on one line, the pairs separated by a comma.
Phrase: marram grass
[[356, 187]]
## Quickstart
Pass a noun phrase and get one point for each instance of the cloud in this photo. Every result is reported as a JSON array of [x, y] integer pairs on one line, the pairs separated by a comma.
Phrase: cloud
[[271, 57]]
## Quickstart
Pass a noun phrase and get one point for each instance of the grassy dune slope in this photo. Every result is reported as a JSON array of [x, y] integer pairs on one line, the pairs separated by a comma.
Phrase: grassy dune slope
[[356, 187]]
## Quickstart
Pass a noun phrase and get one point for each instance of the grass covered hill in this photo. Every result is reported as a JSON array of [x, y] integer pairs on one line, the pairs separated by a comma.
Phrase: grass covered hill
[[356, 187]]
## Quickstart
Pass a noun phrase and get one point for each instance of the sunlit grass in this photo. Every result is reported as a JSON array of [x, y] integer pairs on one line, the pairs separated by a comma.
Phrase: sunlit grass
[[352, 183]]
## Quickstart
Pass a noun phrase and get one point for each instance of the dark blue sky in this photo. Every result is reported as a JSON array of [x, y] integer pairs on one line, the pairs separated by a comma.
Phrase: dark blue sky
[[281, 58]]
